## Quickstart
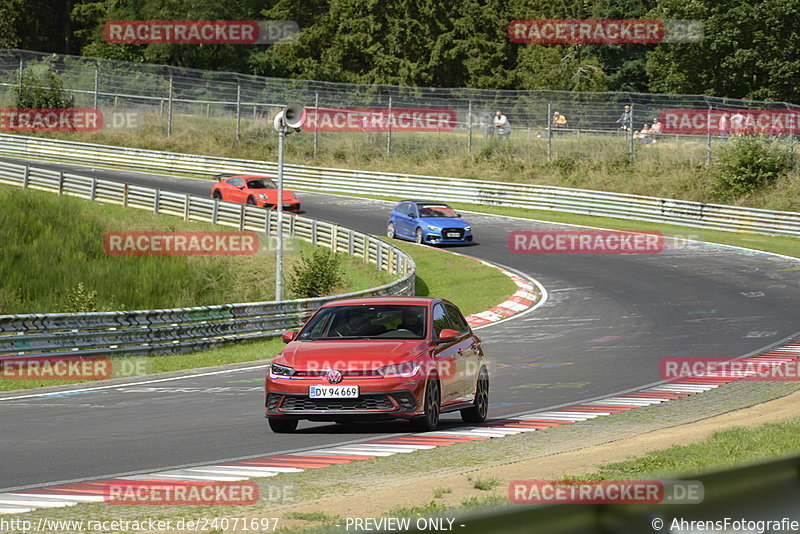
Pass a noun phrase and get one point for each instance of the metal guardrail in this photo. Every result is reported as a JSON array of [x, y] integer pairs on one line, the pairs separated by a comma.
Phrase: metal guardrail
[[580, 201], [758, 493], [183, 329]]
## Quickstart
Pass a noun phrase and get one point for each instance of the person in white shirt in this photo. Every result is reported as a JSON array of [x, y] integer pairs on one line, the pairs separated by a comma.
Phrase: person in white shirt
[[501, 125]]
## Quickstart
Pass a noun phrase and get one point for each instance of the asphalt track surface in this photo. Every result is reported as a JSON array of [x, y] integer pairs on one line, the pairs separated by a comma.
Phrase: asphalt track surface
[[608, 322]]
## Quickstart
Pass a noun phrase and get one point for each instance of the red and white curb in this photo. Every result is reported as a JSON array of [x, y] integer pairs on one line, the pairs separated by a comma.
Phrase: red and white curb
[[529, 293], [267, 466]]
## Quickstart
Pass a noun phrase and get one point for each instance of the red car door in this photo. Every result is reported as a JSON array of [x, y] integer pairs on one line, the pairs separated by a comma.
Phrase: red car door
[[234, 190], [447, 358], [468, 352]]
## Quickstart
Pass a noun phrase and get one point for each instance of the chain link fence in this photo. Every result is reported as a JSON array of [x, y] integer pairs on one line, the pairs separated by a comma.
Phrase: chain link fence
[[358, 117]]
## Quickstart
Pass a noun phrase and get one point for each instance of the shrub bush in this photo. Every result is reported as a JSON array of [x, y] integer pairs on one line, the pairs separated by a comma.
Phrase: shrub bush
[[316, 275], [745, 164]]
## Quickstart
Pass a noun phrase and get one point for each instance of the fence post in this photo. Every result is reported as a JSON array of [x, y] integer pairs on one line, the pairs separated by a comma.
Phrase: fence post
[[630, 134], [215, 211], [708, 140], [25, 177], [549, 131], [93, 192], [241, 217], [469, 125], [187, 203], [96, 83], [60, 183], [791, 148], [316, 121], [21, 70], [156, 201], [389, 129], [238, 108], [169, 109], [125, 195]]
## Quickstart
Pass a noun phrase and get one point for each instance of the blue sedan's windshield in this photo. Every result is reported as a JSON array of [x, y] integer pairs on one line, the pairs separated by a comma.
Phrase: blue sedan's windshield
[[436, 210]]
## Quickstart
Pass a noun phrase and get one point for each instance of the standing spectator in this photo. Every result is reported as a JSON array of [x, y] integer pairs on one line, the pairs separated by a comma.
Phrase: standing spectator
[[501, 125], [626, 119], [559, 122], [724, 126], [737, 123]]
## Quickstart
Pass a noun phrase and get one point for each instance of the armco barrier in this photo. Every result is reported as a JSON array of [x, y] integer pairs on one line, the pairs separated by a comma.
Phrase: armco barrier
[[183, 329], [580, 201], [742, 499]]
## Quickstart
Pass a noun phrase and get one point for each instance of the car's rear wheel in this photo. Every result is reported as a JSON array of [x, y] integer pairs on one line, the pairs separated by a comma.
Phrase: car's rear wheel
[[418, 236], [480, 407], [390, 231], [251, 201], [283, 426], [433, 399], [217, 195]]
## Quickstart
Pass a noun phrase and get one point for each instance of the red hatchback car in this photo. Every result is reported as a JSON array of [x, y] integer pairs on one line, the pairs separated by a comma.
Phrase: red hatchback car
[[379, 358], [255, 190]]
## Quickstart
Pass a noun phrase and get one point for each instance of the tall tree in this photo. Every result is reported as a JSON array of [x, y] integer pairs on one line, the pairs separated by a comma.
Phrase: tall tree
[[750, 50]]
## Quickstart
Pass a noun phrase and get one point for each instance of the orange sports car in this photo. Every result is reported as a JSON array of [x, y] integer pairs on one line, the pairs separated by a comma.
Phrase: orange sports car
[[254, 190]]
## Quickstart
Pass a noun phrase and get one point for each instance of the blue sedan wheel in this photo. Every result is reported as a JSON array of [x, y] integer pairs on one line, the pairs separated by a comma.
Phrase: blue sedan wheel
[[390, 231], [418, 236]]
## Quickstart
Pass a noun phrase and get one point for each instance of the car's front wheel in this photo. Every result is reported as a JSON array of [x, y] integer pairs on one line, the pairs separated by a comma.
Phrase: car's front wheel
[[480, 407], [390, 231], [217, 195], [418, 236], [433, 400], [283, 426], [251, 201]]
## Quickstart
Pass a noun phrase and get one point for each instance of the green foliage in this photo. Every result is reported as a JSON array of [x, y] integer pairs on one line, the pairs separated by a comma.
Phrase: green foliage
[[316, 275], [41, 88], [80, 300], [485, 484], [745, 164], [748, 50]]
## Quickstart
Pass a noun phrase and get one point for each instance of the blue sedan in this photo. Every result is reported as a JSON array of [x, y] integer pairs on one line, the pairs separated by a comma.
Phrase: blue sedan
[[431, 223]]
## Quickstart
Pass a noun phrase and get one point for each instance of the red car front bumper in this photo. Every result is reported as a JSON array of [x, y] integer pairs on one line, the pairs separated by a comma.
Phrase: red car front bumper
[[378, 398]]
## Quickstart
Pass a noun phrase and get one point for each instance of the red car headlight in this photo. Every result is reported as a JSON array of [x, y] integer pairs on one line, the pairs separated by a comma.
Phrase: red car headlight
[[400, 370], [280, 371]]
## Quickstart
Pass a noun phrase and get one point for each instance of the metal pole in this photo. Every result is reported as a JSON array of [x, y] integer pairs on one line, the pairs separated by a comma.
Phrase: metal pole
[[96, 83], [469, 125], [279, 205], [791, 148], [389, 129], [316, 120], [708, 140], [549, 131], [169, 109], [630, 134], [21, 70], [238, 108]]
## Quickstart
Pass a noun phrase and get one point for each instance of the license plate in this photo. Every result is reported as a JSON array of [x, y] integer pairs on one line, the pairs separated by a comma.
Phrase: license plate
[[333, 392], [453, 234]]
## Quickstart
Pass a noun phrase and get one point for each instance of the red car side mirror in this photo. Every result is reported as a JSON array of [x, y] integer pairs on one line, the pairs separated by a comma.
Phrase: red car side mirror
[[287, 337], [240, 187], [446, 335]]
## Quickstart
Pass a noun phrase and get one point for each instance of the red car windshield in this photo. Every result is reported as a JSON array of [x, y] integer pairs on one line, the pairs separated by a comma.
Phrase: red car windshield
[[261, 184], [436, 210], [384, 321]]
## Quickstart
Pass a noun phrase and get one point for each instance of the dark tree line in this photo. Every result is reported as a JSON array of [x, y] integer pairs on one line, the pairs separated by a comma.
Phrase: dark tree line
[[750, 50]]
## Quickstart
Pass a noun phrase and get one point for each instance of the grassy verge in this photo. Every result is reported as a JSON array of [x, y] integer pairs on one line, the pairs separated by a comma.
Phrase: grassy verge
[[472, 286], [673, 168], [53, 261]]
